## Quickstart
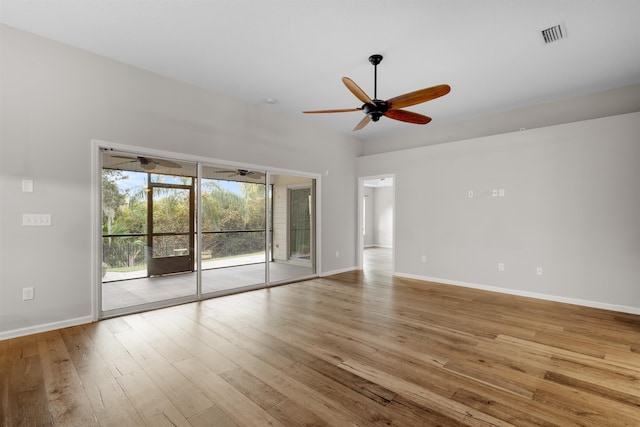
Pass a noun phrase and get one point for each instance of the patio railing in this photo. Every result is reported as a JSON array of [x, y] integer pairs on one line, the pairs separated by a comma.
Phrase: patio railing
[[128, 250]]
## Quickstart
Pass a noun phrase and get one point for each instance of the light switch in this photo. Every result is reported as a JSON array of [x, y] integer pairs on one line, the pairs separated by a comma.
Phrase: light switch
[[36, 219]]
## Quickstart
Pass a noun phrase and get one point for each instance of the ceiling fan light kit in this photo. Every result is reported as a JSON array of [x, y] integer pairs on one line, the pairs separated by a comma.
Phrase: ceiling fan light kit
[[392, 108]]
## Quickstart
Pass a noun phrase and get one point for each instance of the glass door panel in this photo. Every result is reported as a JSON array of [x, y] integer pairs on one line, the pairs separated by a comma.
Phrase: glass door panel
[[233, 229], [148, 232]]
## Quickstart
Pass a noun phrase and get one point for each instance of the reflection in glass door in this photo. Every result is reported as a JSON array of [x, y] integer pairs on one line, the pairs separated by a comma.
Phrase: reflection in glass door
[[299, 223], [293, 207]]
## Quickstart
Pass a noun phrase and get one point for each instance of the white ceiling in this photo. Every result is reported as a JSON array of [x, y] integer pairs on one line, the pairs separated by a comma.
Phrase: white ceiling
[[489, 51]]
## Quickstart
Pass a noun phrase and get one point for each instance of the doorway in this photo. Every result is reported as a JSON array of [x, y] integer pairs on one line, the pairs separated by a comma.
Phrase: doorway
[[376, 218], [170, 238]]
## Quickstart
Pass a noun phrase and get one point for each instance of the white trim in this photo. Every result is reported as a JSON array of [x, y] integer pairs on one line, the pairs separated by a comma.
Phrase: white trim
[[342, 270], [45, 327], [318, 224], [198, 254], [547, 297], [268, 209], [96, 237]]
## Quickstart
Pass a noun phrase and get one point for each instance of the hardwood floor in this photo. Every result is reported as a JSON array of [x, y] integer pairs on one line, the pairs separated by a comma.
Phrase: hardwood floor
[[359, 348]]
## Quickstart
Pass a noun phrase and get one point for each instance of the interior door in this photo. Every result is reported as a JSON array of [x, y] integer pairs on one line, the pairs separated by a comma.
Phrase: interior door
[[170, 225]]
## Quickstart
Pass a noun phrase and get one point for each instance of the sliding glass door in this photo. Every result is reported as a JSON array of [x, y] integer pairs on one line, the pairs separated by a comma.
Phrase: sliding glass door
[[233, 255], [176, 231]]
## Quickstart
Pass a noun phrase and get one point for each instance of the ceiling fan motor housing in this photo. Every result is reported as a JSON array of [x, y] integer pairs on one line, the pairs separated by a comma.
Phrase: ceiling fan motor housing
[[375, 110]]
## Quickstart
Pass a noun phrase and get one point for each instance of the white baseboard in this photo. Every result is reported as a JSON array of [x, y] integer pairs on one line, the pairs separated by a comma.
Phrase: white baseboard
[[342, 270], [595, 304], [45, 327], [574, 301]]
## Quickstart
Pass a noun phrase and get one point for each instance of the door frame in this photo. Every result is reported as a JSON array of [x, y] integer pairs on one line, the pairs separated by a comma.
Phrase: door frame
[[176, 263], [97, 147]]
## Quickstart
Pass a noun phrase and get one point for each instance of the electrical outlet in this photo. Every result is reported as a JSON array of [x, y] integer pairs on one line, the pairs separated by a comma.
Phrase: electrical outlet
[[337, 254], [424, 258], [470, 194], [27, 186], [27, 293], [539, 271], [501, 266], [494, 192], [501, 192]]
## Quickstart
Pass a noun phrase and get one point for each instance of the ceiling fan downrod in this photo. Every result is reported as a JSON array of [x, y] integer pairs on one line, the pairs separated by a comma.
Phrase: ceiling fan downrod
[[378, 108], [375, 60]]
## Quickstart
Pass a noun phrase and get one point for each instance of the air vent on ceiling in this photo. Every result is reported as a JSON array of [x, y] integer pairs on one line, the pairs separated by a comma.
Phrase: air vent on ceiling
[[555, 33]]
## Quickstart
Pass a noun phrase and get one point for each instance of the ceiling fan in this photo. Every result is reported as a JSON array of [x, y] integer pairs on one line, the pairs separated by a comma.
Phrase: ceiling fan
[[392, 108], [243, 172], [148, 163]]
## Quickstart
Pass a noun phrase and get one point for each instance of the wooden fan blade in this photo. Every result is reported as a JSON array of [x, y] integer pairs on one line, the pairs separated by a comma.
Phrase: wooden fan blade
[[344, 110], [355, 89], [418, 96], [408, 116], [166, 163], [365, 121]]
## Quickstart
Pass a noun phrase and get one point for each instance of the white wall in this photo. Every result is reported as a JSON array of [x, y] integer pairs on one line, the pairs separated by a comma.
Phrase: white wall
[[56, 99], [369, 221], [378, 221], [571, 206], [610, 102], [383, 216]]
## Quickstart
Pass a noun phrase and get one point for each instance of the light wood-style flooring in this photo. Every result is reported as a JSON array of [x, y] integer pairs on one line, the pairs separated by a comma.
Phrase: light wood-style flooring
[[359, 348]]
